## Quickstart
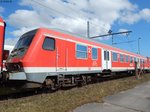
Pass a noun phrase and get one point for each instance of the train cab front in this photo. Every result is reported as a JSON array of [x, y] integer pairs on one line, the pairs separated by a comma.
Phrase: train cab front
[[15, 71], [15, 62]]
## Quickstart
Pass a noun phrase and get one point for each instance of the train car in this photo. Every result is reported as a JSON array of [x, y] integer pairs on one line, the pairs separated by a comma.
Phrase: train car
[[2, 35], [50, 57], [7, 50], [147, 64], [4, 49]]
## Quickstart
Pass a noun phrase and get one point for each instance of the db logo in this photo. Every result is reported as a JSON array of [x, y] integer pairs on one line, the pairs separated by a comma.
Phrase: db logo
[[131, 64], [94, 63]]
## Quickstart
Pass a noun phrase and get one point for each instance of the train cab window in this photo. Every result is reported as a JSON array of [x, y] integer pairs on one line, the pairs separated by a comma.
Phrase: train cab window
[[49, 44], [127, 58], [115, 56], [121, 58], [81, 51], [94, 53], [25, 40]]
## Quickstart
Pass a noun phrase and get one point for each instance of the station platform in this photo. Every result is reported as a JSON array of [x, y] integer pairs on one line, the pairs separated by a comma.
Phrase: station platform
[[132, 100]]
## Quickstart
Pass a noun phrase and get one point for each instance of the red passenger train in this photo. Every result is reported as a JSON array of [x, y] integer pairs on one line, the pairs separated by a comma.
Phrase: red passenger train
[[50, 57], [2, 35]]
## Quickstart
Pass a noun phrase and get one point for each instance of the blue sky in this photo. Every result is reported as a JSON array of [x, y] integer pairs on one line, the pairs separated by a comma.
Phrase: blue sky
[[117, 15]]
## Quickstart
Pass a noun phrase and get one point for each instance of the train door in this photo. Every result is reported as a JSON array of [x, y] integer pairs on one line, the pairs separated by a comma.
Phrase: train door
[[61, 55], [106, 59]]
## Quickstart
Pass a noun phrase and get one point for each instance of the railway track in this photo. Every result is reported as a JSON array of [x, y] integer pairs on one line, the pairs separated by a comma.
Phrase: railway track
[[12, 93]]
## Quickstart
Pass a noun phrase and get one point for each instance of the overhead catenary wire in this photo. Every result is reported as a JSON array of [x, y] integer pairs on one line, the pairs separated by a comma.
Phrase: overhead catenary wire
[[66, 15], [37, 2], [125, 42], [131, 45]]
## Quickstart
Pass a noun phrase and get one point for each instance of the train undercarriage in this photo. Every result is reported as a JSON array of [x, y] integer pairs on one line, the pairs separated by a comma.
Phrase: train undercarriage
[[61, 80]]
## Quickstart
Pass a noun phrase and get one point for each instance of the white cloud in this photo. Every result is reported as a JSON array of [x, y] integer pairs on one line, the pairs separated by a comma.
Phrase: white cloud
[[26, 18], [19, 32], [145, 14], [122, 30], [73, 15], [11, 41], [131, 17]]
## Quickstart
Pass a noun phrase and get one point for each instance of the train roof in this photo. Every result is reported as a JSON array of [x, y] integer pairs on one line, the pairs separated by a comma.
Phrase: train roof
[[92, 40]]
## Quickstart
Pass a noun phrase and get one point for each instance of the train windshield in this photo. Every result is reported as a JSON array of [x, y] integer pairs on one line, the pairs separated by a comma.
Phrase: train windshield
[[25, 40]]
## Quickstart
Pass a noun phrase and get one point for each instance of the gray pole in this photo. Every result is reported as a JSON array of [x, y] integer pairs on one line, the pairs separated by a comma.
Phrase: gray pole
[[112, 40], [88, 29]]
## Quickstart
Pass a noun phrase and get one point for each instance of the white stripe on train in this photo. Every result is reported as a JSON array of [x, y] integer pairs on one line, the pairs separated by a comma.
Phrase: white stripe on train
[[68, 69]]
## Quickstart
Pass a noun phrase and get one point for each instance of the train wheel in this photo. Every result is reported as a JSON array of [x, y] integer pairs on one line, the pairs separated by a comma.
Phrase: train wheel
[[84, 82], [50, 84]]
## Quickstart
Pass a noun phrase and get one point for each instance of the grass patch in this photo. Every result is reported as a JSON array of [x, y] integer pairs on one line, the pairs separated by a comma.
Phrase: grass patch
[[65, 101]]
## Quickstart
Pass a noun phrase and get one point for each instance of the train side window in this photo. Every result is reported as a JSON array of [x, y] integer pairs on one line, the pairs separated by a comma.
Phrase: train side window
[[106, 55], [115, 57], [49, 44], [94, 53], [127, 58], [138, 60], [121, 58], [135, 59], [131, 60], [81, 51], [141, 61]]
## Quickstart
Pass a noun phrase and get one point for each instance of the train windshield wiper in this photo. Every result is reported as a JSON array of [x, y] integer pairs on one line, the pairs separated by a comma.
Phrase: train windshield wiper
[[14, 50], [22, 48], [17, 49]]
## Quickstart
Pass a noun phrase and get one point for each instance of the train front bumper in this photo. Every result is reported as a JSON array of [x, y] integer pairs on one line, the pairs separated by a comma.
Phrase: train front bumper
[[19, 79], [17, 76]]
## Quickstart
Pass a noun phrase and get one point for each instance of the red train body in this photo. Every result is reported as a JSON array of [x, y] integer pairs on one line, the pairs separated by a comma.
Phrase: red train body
[[44, 54], [2, 33]]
